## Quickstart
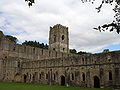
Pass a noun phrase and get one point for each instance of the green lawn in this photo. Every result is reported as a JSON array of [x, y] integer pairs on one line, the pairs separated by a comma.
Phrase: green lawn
[[23, 86]]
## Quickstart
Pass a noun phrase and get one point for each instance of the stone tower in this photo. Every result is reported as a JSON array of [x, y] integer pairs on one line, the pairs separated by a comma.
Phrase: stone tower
[[59, 38]]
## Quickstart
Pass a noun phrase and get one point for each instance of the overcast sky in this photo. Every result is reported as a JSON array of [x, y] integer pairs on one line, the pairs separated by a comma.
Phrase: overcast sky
[[17, 19]]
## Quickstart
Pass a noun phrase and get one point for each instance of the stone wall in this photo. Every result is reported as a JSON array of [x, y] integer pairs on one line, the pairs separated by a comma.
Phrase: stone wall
[[12, 49], [73, 68], [19, 63]]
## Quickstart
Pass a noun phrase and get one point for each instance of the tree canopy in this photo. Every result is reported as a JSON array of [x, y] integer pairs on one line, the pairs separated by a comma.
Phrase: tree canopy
[[35, 44], [74, 51], [11, 38], [115, 24]]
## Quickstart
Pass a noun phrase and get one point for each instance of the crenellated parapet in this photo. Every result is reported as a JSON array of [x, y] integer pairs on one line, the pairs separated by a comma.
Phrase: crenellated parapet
[[12, 49], [59, 38], [59, 26]]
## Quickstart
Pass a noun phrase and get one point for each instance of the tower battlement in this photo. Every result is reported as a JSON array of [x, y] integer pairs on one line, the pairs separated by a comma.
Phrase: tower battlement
[[58, 26], [59, 38]]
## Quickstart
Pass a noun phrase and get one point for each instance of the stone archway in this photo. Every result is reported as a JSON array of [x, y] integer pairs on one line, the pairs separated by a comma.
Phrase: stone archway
[[17, 78], [62, 80], [25, 78], [96, 82]]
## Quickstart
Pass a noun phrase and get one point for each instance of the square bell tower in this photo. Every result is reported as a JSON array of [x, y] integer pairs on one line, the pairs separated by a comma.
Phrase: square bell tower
[[59, 38]]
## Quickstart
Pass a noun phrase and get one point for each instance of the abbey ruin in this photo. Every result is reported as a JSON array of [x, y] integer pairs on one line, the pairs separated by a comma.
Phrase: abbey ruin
[[56, 66]]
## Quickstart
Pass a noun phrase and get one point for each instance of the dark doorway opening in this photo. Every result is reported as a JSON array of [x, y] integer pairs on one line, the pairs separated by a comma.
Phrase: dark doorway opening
[[62, 81], [110, 75], [83, 76], [25, 78], [33, 79], [96, 82]]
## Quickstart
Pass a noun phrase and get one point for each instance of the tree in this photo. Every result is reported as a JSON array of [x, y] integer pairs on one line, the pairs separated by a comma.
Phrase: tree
[[73, 51], [30, 2], [35, 44], [115, 24], [81, 52], [11, 38]]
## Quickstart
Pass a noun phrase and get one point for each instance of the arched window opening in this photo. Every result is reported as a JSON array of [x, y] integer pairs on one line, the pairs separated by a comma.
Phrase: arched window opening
[[46, 76], [42, 51], [25, 78], [54, 49], [63, 49], [62, 81], [63, 37], [72, 76], [83, 76], [54, 38], [110, 75], [96, 82], [40, 76], [83, 60], [18, 64], [54, 77]]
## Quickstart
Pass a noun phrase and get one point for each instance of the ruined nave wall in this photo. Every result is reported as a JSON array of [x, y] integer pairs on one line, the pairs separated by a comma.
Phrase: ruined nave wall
[[11, 49]]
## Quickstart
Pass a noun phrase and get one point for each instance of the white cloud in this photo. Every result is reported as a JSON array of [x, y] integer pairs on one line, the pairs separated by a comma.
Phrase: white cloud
[[33, 23]]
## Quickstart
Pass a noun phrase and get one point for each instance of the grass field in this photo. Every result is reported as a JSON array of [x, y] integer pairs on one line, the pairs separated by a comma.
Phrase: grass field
[[23, 86]]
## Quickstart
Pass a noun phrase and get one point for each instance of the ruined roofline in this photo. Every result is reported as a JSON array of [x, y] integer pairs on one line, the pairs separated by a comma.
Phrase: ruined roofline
[[58, 26]]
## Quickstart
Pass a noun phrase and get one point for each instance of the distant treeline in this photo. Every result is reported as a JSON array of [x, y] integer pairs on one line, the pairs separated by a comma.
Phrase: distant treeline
[[35, 44], [28, 43], [40, 45], [80, 52], [11, 38]]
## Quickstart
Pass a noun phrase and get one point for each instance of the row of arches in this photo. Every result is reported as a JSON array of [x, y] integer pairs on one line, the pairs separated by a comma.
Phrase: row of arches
[[63, 80], [96, 81]]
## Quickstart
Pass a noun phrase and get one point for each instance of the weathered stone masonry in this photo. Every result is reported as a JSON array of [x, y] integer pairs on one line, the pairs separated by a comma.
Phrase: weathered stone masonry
[[20, 63]]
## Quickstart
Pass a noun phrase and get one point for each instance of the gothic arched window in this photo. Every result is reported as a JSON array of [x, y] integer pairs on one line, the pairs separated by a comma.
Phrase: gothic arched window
[[83, 76], [54, 38], [63, 37], [72, 76], [110, 75]]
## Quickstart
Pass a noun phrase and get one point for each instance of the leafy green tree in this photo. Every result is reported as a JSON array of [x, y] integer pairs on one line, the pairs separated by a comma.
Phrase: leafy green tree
[[73, 51], [11, 38], [81, 52], [35, 44], [115, 24]]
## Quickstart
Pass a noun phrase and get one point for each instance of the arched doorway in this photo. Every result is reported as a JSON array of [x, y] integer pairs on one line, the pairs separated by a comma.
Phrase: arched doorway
[[17, 78], [96, 82], [25, 78], [62, 80]]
